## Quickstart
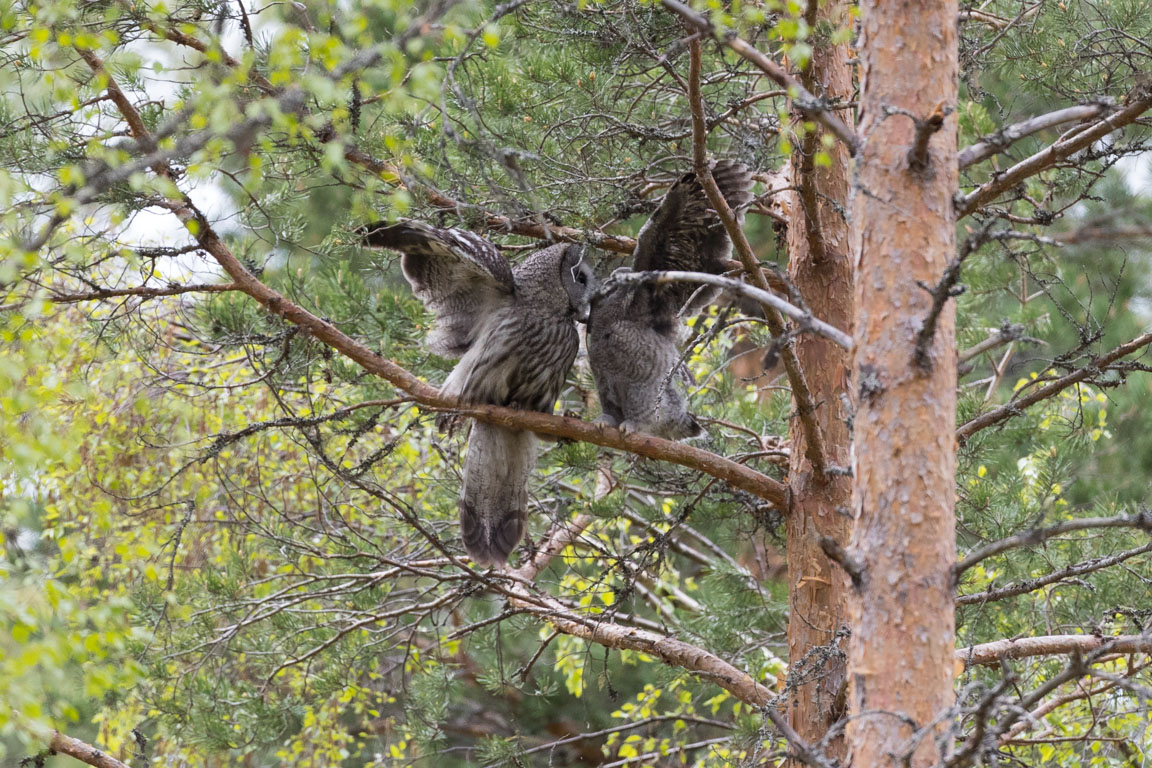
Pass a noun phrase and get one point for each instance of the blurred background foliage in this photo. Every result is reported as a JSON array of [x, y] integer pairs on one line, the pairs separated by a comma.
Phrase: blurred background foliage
[[218, 536]]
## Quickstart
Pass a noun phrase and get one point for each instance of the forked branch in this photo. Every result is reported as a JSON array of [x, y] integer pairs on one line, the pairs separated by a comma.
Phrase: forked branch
[[1094, 368], [1139, 102]]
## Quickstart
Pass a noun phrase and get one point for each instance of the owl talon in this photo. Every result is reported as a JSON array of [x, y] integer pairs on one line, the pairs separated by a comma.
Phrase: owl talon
[[448, 423]]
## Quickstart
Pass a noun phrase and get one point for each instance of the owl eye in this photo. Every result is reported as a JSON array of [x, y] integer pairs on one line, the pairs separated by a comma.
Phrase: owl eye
[[582, 278]]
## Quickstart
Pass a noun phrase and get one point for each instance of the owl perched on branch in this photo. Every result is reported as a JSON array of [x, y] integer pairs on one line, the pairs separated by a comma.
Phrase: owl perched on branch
[[513, 329], [633, 327]]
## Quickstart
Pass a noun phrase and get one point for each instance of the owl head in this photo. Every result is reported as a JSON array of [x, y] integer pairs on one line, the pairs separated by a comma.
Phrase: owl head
[[578, 279], [560, 277]]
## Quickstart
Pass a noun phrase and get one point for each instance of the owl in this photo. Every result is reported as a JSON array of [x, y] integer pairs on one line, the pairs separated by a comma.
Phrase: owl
[[514, 332], [633, 328]]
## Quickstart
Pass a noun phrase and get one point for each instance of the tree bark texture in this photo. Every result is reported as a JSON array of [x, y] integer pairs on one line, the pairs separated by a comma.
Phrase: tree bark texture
[[901, 651], [821, 268]]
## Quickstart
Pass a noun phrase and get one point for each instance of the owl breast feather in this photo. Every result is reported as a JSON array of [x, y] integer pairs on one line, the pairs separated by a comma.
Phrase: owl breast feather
[[521, 361]]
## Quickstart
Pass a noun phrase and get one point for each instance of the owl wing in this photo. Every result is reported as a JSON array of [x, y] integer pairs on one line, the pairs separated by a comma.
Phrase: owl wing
[[685, 233], [458, 275]]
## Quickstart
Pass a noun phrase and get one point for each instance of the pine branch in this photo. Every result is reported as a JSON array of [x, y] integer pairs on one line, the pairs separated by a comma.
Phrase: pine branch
[[1071, 571], [1139, 102], [1141, 520], [808, 105], [1097, 366]]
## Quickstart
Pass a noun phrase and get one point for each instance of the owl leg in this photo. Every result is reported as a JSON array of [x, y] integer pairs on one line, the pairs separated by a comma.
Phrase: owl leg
[[628, 427], [448, 422]]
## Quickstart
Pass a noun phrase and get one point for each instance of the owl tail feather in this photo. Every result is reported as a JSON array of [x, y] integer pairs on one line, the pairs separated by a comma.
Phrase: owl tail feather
[[494, 499]]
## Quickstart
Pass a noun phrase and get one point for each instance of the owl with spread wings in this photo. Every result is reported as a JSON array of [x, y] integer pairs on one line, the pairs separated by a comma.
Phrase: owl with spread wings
[[513, 330]]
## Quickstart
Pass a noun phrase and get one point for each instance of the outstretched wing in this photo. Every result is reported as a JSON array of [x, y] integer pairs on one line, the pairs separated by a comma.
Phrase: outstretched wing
[[458, 275], [685, 233]]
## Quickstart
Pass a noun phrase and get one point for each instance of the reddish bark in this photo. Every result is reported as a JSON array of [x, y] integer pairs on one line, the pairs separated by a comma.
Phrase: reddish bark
[[820, 266], [902, 648]]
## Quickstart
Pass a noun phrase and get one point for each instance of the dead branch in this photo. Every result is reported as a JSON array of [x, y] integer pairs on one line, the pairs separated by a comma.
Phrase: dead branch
[[804, 319], [837, 554], [1006, 333], [997, 142], [925, 129]]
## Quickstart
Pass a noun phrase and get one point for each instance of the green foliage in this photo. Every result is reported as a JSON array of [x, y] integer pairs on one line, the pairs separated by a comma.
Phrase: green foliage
[[222, 534]]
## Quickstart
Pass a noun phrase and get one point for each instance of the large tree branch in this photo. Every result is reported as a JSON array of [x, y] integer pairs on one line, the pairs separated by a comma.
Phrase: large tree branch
[[806, 104], [84, 752], [1139, 102], [1055, 387], [989, 654], [999, 141], [736, 475]]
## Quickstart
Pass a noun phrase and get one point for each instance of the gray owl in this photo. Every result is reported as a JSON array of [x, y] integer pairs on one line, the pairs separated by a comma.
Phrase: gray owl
[[514, 332], [633, 328]]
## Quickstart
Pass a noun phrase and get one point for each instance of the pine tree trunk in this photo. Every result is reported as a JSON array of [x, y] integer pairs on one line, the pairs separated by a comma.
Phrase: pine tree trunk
[[900, 659], [820, 266]]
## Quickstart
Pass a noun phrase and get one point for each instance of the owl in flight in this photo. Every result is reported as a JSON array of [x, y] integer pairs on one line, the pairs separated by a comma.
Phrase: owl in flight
[[633, 327], [513, 330]]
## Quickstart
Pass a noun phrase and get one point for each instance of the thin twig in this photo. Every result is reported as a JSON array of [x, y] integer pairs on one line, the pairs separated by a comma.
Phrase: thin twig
[[808, 105], [141, 292], [1141, 520]]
